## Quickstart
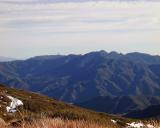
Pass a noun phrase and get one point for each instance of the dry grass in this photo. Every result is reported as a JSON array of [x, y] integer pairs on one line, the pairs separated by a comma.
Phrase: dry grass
[[56, 123], [60, 123], [2, 123], [42, 112], [155, 123], [37, 106]]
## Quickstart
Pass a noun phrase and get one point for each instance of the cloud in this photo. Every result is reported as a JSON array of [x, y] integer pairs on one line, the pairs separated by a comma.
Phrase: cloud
[[87, 16], [38, 20]]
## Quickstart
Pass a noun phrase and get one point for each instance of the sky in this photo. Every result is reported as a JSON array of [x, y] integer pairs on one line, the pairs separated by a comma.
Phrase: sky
[[44, 27]]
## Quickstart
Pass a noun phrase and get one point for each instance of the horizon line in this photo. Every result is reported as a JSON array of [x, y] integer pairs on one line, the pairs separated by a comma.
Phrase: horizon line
[[67, 54]]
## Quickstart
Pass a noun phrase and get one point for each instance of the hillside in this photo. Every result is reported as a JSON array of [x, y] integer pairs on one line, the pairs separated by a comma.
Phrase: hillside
[[20, 109], [35, 106], [120, 105], [77, 78]]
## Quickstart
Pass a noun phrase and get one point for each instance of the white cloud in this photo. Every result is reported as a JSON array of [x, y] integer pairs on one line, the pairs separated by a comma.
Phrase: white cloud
[[89, 15], [79, 19]]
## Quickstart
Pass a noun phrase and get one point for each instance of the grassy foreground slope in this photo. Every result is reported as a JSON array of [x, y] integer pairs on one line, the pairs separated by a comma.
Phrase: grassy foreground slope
[[40, 111], [37, 106], [59, 123]]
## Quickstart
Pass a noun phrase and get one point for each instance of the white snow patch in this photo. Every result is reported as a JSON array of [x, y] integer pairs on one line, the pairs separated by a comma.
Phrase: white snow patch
[[135, 125], [14, 104], [113, 121], [139, 125]]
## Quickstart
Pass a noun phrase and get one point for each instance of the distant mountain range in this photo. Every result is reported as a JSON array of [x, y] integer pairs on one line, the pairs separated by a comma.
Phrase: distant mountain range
[[4, 59], [80, 78]]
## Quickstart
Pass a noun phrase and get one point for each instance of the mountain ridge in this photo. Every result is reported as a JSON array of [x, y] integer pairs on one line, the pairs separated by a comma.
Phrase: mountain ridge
[[76, 78]]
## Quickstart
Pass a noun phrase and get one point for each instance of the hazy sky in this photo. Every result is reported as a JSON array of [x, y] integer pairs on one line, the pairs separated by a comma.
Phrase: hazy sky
[[38, 27]]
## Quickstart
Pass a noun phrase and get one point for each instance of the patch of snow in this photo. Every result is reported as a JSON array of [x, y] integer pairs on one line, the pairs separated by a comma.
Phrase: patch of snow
[[113, 121], [135, 125], [150, 126], [14, 104]]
